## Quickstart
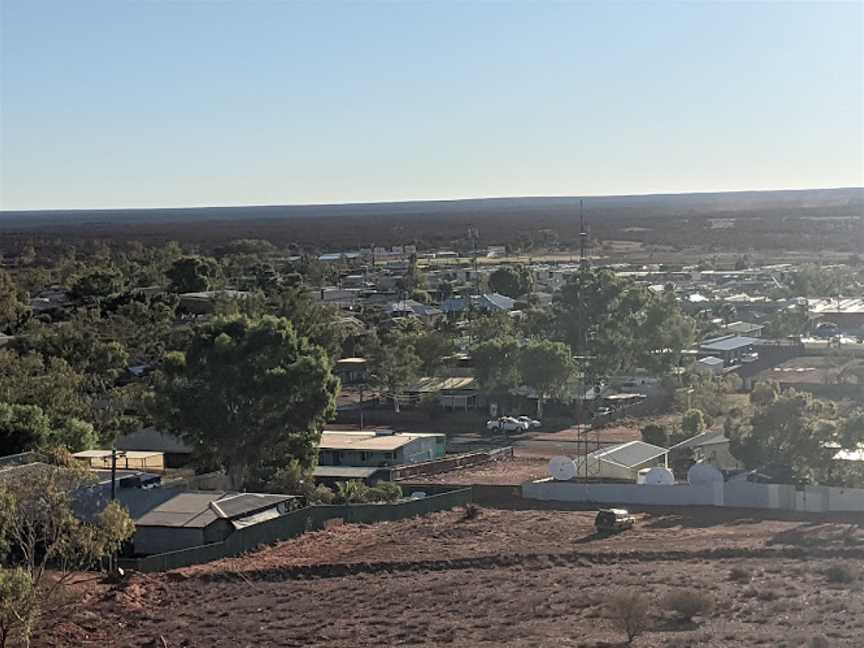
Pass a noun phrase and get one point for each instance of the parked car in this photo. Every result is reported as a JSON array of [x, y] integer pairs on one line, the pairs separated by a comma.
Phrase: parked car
[[505, 424], [529, 422], [613, 520], [603, 411]]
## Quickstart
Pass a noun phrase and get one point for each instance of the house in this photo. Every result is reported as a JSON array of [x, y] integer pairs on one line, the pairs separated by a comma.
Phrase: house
[[622, 461], [711, 364], [732, 349], [379, 448], [744, 328], [204, 302], [490, 303], [190, 519], [455, 392], [413, 308], [708, 447], [176, 453], [127, 460], [351, 370]]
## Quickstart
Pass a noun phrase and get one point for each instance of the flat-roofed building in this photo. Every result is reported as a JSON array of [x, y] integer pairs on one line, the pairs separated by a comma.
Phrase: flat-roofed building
[[379, 448], [126, 459]]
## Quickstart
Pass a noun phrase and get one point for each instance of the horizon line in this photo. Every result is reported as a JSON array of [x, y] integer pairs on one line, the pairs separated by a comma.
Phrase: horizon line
[[432, 200]]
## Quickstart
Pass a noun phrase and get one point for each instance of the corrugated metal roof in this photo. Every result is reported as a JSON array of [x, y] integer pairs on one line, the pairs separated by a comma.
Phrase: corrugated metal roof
[[200, 509], [630, 454], [347, 472], [728, 343], [431, 384], [243, 503]]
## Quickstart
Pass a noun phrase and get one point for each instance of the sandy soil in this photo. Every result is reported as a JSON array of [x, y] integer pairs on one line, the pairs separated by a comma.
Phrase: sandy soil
[[504, 578]]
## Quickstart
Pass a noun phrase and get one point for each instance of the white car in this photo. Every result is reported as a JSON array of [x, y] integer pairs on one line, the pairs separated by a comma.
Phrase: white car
[[529, 422], [505, 424]]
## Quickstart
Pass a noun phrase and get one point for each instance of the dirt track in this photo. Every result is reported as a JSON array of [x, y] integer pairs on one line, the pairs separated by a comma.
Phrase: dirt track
[[506, 578]]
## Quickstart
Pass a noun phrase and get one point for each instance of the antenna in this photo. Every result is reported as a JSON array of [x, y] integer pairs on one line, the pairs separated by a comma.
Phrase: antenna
[[583, 238]]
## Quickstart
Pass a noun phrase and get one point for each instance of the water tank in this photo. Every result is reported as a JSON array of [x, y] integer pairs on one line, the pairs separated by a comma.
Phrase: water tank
[[562, 468], [703, 474], [659, 476]]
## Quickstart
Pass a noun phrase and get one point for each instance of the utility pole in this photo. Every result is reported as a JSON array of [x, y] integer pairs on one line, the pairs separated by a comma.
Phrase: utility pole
[[583, 238]]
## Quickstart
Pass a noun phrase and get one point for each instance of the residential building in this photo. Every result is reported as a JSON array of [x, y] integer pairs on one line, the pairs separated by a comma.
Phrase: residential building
[[379, 448]]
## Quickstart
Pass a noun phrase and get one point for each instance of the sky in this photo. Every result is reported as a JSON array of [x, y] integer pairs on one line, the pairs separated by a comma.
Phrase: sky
[[155, 103]]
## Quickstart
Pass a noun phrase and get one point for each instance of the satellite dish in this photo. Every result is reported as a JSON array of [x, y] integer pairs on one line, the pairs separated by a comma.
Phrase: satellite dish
[[562, 468], [702, 474], [659, 476]]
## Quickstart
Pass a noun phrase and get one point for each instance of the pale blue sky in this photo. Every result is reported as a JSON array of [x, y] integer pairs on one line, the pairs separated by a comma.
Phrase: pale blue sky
[[154, 103]]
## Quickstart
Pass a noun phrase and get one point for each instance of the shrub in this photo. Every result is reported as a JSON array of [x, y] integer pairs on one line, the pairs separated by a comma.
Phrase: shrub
[[470, 512], [384, 492], [688, 603], [655, 434], [629, 613], [17, 606], [840, 573], [739, 575], [321, 495], [351, 492]]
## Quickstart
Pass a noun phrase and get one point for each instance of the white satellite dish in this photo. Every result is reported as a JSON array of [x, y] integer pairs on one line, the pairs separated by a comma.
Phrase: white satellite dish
[[562, 468], [659, 476], [702, 474]]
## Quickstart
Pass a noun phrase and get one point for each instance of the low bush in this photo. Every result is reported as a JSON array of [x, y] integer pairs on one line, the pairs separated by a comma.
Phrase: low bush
[[740, 575], [688, 603], [470, 512], [629, 612], [841, 573], [384, 492], [321, 495], [356, 492]]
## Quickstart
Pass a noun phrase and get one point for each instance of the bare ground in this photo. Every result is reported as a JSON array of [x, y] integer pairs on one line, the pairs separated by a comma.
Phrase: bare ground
[[504, 578]]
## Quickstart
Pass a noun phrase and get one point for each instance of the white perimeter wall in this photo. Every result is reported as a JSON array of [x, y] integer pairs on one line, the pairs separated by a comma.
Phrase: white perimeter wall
[[732, 494]]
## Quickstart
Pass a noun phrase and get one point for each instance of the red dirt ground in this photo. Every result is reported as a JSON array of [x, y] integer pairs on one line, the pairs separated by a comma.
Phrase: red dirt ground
[[504, 578]]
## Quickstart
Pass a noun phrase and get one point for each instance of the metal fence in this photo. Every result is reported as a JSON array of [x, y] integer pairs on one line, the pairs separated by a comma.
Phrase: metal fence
[[295, 523]]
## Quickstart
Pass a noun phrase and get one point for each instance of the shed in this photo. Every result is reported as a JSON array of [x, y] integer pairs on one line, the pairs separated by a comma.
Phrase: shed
[[623, 461], [190, 519]]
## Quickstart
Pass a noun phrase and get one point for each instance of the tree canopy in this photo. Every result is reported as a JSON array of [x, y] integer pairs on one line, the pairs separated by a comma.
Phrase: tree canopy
[[245, 390], [545, 366], [512, 281]]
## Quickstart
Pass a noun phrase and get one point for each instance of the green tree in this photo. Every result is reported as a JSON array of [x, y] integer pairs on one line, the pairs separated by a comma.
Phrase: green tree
[[51, 384], [497, 365], [432, 347], [600, 316], [656, 435], [97, 283], [545, 366], [311, 319], [664, 335], [79, 343], [192, 274], [393, 365], [22, 428], [17, 606], [245, 390], [790, 431], [76, 435], [512, 281], [14, 303], [51, 544], [693, 422]]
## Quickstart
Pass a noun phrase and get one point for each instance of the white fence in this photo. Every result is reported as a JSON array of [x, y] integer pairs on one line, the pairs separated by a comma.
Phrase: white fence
[[816, 499]]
